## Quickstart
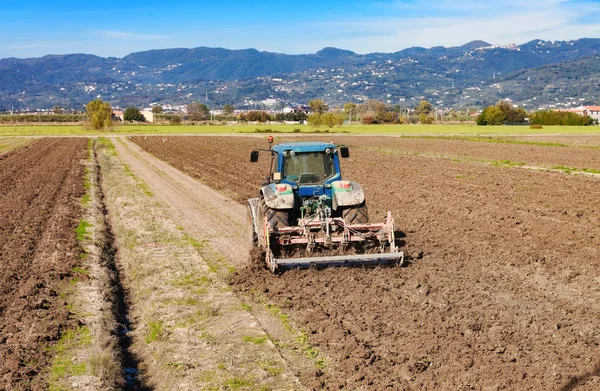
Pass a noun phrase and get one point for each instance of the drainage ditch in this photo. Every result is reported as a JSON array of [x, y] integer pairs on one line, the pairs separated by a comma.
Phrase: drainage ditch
[[129, 362]]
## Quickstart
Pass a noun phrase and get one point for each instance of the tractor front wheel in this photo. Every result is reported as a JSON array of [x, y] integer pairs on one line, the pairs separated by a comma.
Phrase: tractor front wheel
[[357, 214]]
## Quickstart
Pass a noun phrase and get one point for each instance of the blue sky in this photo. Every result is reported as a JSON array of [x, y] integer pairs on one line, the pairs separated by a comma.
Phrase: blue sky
[[35, 28]]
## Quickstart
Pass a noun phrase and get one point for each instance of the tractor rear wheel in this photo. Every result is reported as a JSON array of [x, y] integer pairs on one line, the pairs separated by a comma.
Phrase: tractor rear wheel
[[277, 218], [357, 214]]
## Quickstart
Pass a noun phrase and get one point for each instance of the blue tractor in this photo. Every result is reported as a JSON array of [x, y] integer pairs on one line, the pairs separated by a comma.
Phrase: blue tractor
[[307, 215]]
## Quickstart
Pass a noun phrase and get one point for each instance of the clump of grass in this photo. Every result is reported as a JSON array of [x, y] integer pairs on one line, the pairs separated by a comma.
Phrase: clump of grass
[[192, 280], [79, 270], [270, 367], [156, 331], [63, 364], [506, 163], [81, 230], [237, 382], [255, 340], [568, 170], [590, 170]]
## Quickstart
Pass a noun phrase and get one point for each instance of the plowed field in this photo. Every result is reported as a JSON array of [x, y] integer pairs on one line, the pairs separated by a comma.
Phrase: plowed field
[[41, 185], [502, 292]]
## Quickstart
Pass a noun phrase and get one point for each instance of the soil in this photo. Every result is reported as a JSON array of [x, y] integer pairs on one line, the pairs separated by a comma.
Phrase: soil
[[502, 289], [39, 210], [585, 140]]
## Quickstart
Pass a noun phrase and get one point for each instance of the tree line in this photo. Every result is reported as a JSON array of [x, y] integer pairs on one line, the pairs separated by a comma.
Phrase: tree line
[[503, 113], [99, 115]]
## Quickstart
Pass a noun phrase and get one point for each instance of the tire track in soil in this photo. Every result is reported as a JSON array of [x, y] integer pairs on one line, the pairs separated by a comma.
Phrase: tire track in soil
[[39, 210], [198, 208]]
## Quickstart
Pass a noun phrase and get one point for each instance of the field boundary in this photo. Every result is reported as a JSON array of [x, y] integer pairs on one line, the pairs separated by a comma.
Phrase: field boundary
[[89, 357], [190, 331]]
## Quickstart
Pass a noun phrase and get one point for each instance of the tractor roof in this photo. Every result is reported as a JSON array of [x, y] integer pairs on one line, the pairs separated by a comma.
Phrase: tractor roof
[[310, 146]]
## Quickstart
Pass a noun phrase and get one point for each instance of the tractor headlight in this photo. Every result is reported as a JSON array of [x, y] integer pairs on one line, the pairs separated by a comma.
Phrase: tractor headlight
[[292, 153], [328, 151]]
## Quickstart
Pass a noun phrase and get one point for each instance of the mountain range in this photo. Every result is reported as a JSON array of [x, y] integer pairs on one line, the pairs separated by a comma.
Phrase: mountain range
[[535, 74]]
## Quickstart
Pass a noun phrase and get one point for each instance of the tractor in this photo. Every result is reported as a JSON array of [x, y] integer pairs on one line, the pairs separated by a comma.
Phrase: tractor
[[306, 215]]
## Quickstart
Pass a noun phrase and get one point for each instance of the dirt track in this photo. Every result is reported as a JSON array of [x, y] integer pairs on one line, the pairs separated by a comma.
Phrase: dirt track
[[502, 292], [39, 210]]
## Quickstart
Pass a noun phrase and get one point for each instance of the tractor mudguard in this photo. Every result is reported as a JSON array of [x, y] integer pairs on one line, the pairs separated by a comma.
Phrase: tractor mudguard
[[278, 199], [346, 193]]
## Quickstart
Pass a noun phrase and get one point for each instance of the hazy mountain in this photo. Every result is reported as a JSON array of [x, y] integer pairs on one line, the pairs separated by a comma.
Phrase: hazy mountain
[[456, 76]]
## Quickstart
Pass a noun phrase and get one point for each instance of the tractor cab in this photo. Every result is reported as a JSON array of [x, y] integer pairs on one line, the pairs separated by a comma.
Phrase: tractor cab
[[309, 168], [305, 163]]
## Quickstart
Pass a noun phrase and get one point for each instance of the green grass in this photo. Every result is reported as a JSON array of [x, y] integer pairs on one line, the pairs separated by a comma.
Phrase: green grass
[[81, 230], [488, 139], [255, 340], [506, 163], [156, 331], [49, 130], [63, 364], [568, 170]]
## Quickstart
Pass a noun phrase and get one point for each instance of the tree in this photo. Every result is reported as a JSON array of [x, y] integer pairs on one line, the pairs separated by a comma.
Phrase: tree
[[326, 119], [481, 118], [425, 119], [495, 116], [57, 110], [424, 107], [198, 111], [318, 106], [228, 109], [500, 114], [157, 109], [133, 114], [100, 114]]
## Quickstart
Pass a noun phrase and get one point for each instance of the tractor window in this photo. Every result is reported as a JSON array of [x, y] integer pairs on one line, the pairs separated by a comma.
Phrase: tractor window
[[308, 167]]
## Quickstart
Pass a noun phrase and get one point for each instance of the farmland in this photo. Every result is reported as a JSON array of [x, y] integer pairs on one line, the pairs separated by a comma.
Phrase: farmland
[[355, 128], [500, 292], [501, 285], [39, 211]]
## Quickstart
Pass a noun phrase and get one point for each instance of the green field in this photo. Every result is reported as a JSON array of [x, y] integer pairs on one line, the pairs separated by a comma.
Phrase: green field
[[66, 130]]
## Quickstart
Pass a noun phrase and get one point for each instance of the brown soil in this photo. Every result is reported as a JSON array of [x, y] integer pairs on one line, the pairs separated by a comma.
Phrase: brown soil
[[495, 150], [502, 289], [39, 211], [586, 140]]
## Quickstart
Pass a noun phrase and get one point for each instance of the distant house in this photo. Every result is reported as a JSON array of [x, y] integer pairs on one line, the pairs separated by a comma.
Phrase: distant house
[[148, 115], [298, 109], [593, 111]]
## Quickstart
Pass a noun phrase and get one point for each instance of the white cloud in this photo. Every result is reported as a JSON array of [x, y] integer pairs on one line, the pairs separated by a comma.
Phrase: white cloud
[[513, 22]]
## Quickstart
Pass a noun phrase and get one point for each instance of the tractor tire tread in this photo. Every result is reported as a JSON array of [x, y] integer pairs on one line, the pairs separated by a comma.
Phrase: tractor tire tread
[[276, 218], [358, 214]]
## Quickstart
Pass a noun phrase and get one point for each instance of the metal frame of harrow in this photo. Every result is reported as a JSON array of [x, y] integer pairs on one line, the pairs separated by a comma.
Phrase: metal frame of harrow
[[310, 232]]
